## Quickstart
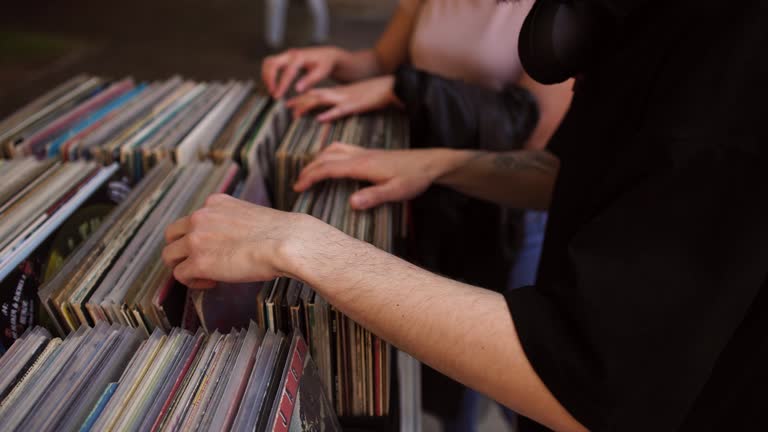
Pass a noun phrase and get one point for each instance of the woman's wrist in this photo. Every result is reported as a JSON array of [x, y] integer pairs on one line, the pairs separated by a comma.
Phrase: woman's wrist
[[355, 65], [446, 161], [392, 98]]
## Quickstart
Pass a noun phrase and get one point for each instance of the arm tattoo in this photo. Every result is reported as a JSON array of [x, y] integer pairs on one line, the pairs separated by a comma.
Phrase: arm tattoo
[[526, 160]]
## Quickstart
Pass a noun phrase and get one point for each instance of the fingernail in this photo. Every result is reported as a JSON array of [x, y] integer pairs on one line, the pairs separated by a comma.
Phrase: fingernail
[[358, 201]]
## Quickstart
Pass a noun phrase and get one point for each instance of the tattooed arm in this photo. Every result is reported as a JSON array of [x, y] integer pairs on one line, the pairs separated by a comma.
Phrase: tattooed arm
[[521, 179]]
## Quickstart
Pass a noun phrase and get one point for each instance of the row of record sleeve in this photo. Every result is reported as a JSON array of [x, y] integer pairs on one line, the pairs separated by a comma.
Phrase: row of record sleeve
[[114, 378], [35, 199], [139, 124], [98, 168]]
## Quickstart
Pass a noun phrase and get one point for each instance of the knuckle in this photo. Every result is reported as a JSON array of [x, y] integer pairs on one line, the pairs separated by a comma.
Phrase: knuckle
[[195, 240], [164, 256], [197, 219], [216, 199], [197, 263], [295, 64], [167, 234]]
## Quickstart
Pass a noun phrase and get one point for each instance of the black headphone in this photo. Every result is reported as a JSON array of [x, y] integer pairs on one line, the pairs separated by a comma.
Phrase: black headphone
[[561, 38]]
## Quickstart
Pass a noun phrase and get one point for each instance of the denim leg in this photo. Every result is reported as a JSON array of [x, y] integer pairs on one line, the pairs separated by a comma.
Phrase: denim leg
[[321, 18], [274, 28], [523, 273], [467, 417], [526, 265]]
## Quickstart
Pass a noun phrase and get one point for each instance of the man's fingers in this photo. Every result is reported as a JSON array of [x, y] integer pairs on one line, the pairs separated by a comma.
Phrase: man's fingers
[[189, 273], [177, 230], [373, 196], [220, 200], [340, 147], [175, 252]]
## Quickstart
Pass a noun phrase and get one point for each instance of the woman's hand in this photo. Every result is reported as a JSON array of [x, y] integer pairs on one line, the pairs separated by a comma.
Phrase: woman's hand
[[229, 240], [364, 96], [278, 71], [397, 175]]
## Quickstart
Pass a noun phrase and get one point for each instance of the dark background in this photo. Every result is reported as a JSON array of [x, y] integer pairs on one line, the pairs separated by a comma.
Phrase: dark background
[[44, 42]]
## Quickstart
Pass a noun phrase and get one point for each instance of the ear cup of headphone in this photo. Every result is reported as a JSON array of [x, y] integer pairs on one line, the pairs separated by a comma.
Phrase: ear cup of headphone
[[560, 39]]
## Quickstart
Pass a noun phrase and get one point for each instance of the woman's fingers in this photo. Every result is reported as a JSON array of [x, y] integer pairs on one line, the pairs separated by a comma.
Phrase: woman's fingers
[[325, 169], [335, 113], [314, 75], [313, 99], [375, 195], [271, 67], [289, 73]]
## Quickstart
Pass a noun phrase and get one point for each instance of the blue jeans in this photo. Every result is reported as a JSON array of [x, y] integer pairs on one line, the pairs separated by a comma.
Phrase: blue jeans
[[526, 265], [523, 273]]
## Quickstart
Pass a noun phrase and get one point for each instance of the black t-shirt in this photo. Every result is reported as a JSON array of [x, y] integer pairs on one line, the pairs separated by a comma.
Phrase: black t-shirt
[[651, 307]]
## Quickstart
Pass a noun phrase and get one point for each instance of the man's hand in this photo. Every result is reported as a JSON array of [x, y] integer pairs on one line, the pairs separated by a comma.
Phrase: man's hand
[[364, 96], [397, 175], [278, 71], [229, 240]]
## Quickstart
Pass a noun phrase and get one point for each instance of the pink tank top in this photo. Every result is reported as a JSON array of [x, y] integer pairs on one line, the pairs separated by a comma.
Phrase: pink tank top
[[470, 40]]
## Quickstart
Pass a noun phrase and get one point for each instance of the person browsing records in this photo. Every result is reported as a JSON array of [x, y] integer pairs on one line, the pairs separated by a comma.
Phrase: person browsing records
[[650, 309]]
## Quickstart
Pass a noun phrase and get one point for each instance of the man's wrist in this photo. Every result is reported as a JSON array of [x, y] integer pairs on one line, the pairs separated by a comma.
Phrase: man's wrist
[[289, 248], [299, 254]]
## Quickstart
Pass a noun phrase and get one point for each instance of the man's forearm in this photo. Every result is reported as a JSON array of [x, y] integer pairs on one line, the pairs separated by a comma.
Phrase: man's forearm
[[519, 179], [463, 331]]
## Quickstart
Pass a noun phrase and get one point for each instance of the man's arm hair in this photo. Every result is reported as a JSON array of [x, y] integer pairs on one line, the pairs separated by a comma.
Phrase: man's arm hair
[[463, 331]]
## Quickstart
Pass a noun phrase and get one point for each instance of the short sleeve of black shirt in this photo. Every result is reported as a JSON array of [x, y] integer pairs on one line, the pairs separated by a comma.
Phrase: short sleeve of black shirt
[[651, 307]]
